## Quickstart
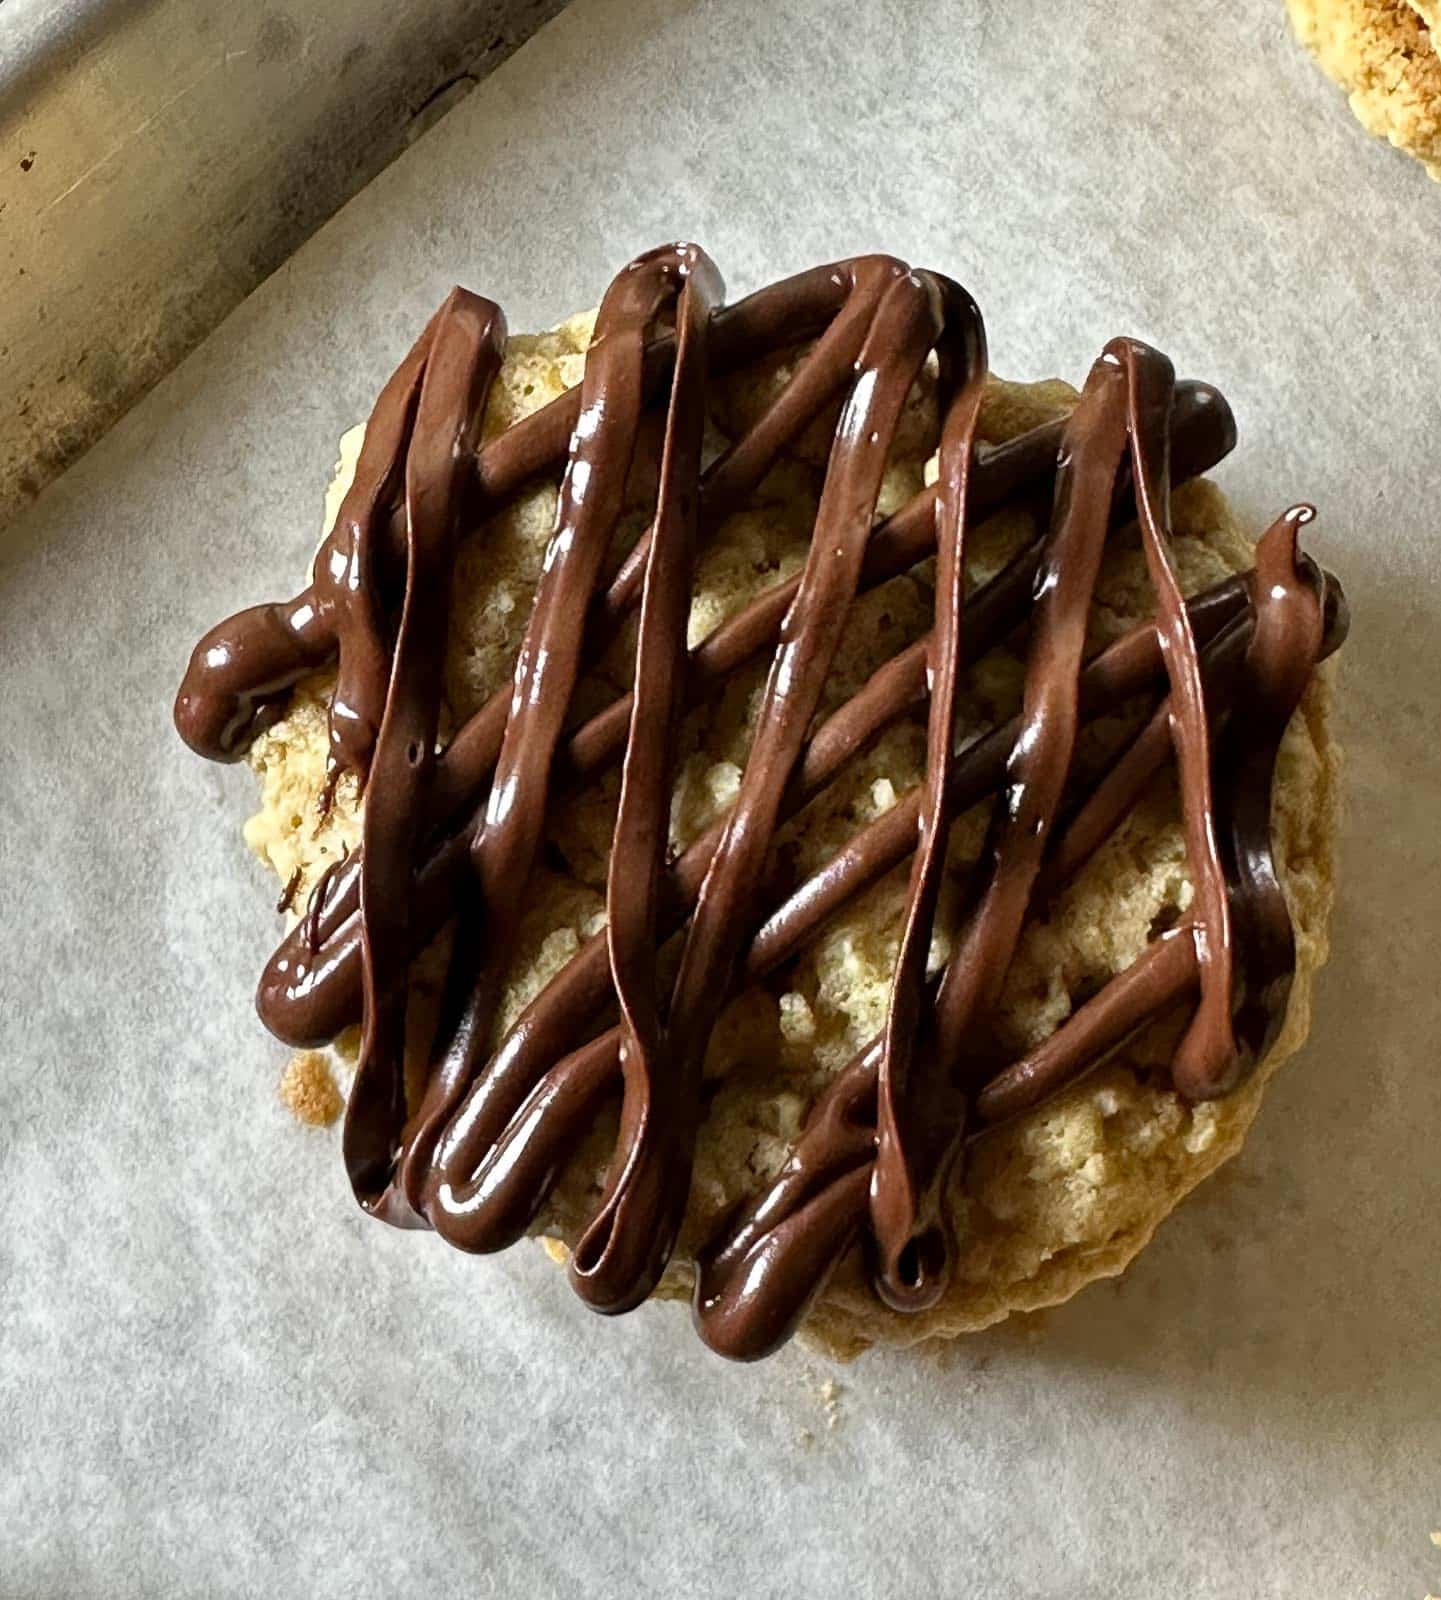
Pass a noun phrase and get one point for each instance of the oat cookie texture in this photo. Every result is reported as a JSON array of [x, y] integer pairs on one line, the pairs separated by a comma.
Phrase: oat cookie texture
[[1070, 1191]]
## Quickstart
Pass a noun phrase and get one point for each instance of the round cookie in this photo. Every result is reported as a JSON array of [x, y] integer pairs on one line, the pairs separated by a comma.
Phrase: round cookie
[[1066, 1193], [1383, 54]]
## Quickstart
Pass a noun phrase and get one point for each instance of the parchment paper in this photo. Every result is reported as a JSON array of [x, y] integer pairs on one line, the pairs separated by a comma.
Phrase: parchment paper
[[220, 1379]]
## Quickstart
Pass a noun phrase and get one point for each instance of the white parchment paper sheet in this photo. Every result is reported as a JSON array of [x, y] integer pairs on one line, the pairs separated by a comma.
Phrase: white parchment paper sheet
[[219, 1379]]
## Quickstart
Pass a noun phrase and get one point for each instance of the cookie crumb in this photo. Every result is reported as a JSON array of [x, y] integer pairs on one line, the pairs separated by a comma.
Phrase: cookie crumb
[[309, 1090], [827, 1392], [831, 1393], [1436, 1537]]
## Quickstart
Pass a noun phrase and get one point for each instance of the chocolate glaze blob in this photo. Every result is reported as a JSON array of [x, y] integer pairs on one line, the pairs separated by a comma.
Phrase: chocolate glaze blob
[[450, 835]]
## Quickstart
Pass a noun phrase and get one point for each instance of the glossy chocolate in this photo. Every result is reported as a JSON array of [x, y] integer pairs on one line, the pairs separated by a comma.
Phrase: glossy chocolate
[[450, 835]]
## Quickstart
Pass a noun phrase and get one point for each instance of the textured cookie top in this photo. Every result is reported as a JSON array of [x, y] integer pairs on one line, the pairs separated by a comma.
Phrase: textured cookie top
[[1058, 1193], [1383, 54]]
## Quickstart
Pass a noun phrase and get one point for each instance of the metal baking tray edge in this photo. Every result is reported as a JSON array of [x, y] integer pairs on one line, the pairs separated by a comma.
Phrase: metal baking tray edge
[[158, 159]]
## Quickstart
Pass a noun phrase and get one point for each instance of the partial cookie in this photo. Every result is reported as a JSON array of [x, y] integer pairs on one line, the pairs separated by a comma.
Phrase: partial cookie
[[1383, 54]]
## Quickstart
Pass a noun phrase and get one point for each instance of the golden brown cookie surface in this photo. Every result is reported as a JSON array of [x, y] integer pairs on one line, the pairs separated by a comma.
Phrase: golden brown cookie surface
[[1383, 54]]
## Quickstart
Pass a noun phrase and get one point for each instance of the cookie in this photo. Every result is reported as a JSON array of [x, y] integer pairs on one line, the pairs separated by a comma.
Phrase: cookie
[[1048, 1182], [1383, 54]]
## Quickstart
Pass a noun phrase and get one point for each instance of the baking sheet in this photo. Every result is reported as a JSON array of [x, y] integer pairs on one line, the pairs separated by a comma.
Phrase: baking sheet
[[157, 161], [219, 1378]]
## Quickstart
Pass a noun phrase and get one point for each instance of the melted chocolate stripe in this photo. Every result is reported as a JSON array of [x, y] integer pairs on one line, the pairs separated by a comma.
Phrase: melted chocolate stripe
[[907, 1276], [467, 346], [1208, 1049], [242, 670], [619, 1246], [1290, 636], [1164, 974]]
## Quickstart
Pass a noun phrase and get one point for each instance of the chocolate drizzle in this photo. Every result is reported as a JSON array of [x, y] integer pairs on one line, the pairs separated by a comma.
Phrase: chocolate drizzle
[[450, 836]]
